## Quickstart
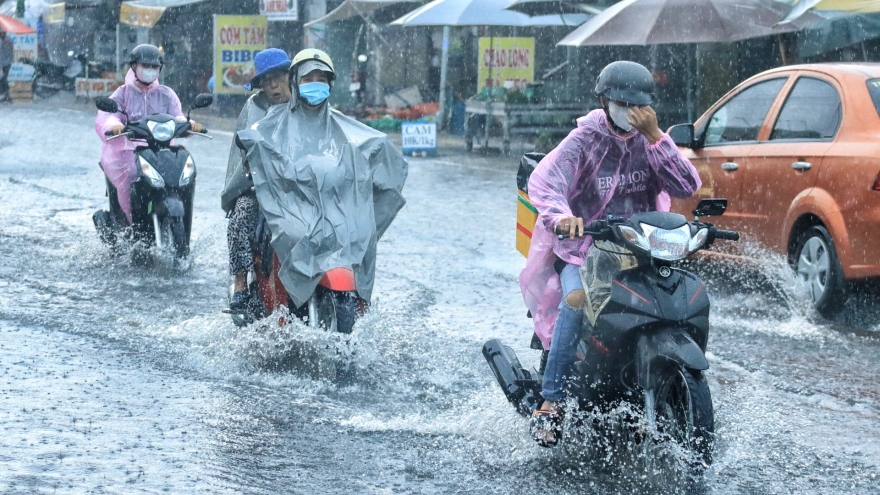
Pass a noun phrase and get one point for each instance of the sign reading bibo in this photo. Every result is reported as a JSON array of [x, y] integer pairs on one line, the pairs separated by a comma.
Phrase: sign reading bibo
[[419, 138], [237, 39]]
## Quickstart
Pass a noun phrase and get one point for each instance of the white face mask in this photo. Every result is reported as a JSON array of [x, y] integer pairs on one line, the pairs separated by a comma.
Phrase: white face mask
[[618, 116], [147, 76]]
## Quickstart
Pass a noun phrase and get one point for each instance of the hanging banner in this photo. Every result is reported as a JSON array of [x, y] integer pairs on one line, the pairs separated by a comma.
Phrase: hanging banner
[[506, 62], [280, 10], [237, 38], [140, 16], [54, 13]]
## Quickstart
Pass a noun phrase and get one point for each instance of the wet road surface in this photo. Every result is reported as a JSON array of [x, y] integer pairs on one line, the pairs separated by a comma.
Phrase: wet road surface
[[117, 379]]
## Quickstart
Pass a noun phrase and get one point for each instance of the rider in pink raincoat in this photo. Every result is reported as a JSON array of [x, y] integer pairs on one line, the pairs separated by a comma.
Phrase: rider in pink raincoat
[[616, 162], [141, 95]]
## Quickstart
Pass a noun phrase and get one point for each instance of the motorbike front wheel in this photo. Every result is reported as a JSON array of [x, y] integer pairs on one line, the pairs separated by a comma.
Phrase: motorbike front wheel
[[44, 87], [684, 412], [173, 235]]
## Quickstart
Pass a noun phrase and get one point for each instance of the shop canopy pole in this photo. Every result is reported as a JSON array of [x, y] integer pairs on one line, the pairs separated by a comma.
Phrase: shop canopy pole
[[444, 62]]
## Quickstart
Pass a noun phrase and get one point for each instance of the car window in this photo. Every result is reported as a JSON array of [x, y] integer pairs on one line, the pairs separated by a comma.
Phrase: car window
[[811, 111], [741, 117], [874, 90]]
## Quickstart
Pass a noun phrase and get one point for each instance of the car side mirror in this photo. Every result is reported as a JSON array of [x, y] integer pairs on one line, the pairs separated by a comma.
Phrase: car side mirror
[[711, 207], [682, 135], [203, 100], [106, 104]]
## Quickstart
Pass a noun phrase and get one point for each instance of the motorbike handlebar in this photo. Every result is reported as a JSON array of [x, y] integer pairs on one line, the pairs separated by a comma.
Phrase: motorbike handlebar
[[592, 228], [727, 235]]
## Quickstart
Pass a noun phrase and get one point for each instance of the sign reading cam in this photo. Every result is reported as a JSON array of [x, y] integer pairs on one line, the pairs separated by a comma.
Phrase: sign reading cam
[[237, 39], [419, 138]]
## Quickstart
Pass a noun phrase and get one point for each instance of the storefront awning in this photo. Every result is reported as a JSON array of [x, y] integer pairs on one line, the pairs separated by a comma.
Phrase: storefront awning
[[354, 8], [146, 13]]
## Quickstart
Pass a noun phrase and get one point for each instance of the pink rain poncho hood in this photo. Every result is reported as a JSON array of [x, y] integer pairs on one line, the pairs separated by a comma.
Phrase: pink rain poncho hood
[[593, 173], [117, 156]]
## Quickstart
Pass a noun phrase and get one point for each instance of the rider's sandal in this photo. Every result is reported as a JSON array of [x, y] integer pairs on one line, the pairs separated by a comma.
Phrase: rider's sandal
[[543, 422]]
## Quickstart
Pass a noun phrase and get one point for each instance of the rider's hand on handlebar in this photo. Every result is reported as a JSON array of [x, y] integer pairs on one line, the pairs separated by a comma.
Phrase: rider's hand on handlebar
[[195, 126], [644, 119], [117, 129], [573, 225]]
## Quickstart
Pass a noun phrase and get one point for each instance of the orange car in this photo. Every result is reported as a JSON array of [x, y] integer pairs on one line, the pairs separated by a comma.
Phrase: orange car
[[796, 151]]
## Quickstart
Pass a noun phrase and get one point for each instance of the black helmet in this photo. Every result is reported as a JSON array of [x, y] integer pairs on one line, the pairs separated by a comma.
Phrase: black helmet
[[146, 54], [627, 82]]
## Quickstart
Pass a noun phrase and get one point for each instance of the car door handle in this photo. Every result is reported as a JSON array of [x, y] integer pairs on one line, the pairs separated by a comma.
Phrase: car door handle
[[729, 166], [801, 165]]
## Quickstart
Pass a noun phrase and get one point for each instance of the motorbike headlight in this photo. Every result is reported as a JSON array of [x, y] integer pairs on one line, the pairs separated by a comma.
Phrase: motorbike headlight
[[162, 131], [150, 173], [670, 245], [189, 169], [698, 240]]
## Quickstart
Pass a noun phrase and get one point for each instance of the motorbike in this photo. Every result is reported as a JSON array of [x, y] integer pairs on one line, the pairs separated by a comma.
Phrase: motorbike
[[162, 195], [334, 306], [647, 345], [50, 78]]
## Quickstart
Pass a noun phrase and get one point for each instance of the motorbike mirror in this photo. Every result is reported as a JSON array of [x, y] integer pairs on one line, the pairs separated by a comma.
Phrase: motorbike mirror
[[682, 135], [709, 207], [203, 100], [106, 104]]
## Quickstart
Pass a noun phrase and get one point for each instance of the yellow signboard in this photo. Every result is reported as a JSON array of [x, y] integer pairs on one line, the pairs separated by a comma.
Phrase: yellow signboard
[[506, 62], [138, 16], [237, 38]]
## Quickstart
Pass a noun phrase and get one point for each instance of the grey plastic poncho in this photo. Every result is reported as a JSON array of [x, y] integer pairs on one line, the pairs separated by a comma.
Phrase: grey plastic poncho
[[237, 183], [329, 187]]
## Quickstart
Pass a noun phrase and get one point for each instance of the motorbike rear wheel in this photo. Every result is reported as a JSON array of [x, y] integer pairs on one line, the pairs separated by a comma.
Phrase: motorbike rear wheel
[[684, 412], [336, 311]]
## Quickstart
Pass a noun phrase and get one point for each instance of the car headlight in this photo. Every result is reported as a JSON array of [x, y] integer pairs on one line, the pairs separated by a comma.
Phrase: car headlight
[[670, 245], [150, 173], [163, 131], [189, 169]]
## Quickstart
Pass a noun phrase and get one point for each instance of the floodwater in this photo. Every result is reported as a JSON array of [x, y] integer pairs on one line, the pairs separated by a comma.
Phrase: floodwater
[[118, 379]]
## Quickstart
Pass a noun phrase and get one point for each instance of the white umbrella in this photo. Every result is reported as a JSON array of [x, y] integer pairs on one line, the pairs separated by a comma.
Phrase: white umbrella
[[481, 13], [476, 13]]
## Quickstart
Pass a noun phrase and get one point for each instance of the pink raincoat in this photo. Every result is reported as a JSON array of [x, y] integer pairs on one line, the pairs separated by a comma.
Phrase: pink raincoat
[[593, 173], [117, 156]]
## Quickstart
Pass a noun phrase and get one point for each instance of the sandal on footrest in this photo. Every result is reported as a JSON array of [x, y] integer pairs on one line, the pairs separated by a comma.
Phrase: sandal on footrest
[[544, 422]]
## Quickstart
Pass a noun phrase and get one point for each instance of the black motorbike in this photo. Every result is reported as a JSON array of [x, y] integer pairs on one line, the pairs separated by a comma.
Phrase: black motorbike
[[50, 78], [162, 195], [647, 346]]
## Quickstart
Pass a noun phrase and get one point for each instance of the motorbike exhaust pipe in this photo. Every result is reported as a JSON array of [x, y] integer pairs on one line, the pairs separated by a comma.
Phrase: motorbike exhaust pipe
[[517, 384]]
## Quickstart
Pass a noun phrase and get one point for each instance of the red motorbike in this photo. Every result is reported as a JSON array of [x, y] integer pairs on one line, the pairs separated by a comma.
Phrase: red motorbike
[[334, 306]]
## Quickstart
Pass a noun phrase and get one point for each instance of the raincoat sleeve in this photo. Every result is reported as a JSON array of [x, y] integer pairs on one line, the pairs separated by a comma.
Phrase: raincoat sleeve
[[549, 183], [676, 174], [389, 173], [236, 180], [106, 121]]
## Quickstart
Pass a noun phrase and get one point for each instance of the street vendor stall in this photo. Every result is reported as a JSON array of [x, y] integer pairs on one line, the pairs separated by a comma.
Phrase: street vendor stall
[[518, 118]]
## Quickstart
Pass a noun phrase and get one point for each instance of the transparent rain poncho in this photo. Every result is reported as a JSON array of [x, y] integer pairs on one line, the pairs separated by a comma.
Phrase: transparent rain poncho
[[117, 156], [237, 182], [329, 187], [593, 173]]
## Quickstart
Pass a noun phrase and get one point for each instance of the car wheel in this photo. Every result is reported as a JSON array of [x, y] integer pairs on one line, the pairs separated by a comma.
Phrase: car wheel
[[817, 266]]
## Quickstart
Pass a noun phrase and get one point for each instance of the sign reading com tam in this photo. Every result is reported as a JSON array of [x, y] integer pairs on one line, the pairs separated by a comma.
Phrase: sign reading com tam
[[419, 138], [506, 62], [237, 38]]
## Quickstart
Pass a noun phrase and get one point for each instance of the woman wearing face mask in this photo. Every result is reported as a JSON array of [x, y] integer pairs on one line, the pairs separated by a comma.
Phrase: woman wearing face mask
[[327, 185], [616, 163], [141, 95]]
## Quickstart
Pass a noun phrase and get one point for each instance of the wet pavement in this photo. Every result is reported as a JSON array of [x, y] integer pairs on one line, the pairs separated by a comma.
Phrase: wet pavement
[[118, 379]]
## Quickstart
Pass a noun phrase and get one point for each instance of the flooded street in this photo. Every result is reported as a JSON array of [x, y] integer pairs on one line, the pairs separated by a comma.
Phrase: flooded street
[[119, 379]]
